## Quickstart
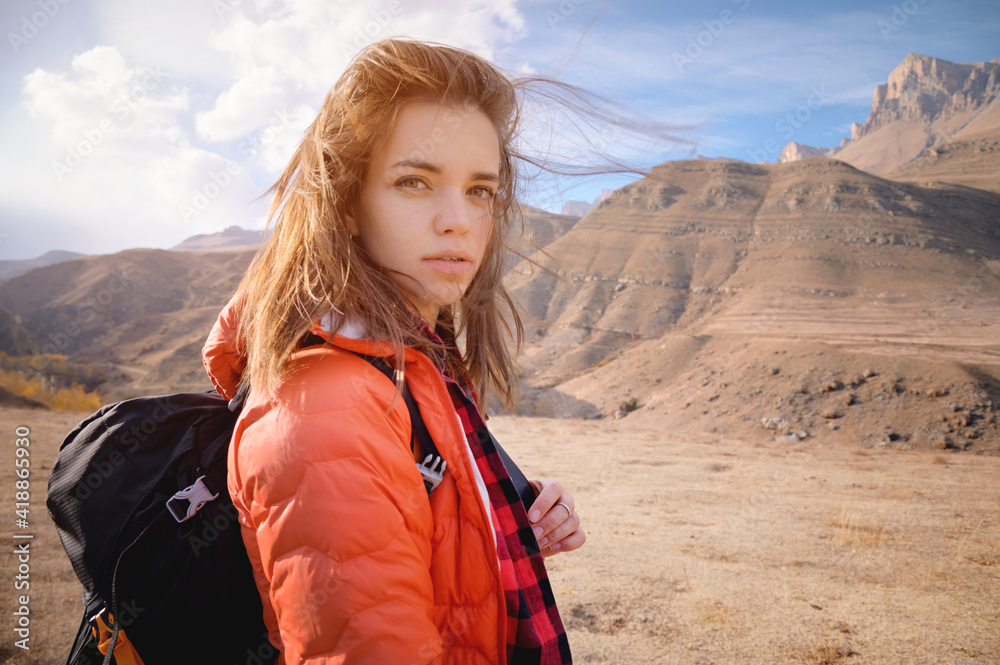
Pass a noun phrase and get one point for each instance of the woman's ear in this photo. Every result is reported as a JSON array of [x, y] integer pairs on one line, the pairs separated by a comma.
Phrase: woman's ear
[[352, 224]]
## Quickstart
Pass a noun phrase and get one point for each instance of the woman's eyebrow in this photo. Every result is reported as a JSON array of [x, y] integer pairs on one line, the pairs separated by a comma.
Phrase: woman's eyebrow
[[417, 164], [433, 168]]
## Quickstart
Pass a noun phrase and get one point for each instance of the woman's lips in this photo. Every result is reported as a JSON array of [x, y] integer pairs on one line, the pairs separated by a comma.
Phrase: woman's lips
[[450, 266]]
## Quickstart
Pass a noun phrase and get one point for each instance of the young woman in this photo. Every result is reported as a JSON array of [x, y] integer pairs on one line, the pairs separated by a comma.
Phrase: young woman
[[391, 222]]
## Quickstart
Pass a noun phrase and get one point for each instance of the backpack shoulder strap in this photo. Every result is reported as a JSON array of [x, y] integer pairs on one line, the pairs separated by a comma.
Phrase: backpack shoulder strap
[[432, 467]]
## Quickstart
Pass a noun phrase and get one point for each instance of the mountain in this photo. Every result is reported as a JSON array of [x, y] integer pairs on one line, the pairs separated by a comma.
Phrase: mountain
[[684, 288], [232, 238], [142, 314], [926, 102], [10, 269], [973, 162], [576, 208], [542, 227], [794, 151], [832, 301]]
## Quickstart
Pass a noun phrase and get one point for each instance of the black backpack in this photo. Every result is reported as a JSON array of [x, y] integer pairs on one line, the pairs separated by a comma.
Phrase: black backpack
[[138, 495]]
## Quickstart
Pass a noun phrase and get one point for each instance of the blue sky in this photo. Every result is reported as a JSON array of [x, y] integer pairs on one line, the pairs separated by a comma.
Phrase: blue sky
[[133, 123]]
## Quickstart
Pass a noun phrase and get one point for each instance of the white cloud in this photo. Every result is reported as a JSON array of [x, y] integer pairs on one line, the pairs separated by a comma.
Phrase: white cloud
[[171, 35], [201, 93], [183, 113], [288, 54], [240, 109], [111, 155]]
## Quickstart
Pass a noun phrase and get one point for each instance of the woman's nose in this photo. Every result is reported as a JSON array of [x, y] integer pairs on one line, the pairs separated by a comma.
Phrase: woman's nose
[[453, 214]]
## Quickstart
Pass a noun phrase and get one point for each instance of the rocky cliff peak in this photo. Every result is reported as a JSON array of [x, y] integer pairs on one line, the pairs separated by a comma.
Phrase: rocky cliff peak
[[794, 151], [925, 88], [925, 102]]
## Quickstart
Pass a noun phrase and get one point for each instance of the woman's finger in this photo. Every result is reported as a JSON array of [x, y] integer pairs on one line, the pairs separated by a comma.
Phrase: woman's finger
[[560, 531], [550, 493], [571, 542], [560, 512]]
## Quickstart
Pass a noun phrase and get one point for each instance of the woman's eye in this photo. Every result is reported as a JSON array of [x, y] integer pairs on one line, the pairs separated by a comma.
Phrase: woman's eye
[[411, 183], [482, 192]]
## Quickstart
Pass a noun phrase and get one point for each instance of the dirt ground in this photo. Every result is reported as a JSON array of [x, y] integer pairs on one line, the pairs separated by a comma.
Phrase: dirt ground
[[700, 550]]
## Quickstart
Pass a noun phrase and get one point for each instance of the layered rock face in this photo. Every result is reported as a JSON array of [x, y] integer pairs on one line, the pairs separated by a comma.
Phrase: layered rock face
[[708, 267]]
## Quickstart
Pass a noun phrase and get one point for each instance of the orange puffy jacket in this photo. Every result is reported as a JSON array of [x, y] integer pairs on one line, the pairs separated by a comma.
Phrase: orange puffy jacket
[[353, 560]]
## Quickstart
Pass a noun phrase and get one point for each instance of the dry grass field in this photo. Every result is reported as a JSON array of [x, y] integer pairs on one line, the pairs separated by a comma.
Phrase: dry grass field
[[701, 550]]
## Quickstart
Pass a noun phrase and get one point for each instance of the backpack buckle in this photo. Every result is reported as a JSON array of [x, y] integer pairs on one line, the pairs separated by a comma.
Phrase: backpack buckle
[[432, 469], [196, 496]]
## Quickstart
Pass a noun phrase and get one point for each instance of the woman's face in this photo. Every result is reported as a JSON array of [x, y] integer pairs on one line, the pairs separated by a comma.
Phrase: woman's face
[[424, 211]]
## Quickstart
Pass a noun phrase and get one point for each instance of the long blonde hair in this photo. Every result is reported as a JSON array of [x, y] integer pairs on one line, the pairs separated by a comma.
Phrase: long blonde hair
[[310, 265]]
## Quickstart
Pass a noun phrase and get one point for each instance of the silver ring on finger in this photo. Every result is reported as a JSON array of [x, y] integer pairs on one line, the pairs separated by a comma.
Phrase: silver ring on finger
[[568, 509]]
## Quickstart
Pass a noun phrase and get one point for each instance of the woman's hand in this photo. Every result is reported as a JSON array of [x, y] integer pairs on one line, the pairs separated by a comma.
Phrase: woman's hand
[[554, 519]]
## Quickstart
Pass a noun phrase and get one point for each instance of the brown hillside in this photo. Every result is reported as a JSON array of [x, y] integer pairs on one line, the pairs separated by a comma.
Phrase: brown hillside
[[10, 269], [142, 315], [973, 162], [134, 310], [711, 267]]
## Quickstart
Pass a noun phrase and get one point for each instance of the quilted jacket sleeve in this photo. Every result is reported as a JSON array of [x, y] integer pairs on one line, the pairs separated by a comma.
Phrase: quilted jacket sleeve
[[337, 522]]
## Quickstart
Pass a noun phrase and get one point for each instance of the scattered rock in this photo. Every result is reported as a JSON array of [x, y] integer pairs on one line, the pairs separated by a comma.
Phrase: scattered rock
[[832, 413], [774, 423], [833, 385], [621, 413], [942, 444], [774, 370], [868, 373], [833, 426], [850, 400], [792, 437]]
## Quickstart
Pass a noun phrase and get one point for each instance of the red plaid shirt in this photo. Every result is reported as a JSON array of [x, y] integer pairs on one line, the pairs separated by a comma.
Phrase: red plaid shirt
[[535, 633]]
